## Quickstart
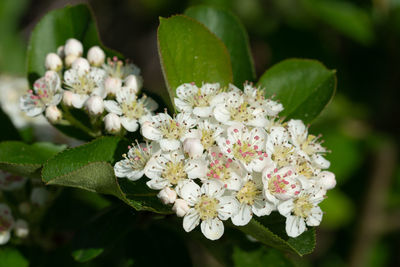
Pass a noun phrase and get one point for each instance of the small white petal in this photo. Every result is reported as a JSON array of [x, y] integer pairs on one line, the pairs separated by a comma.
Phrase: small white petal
[[228, 207], [213, 229], [169, 144], [286, 207], [131, 125], [191, 220], [295, 226], [243, 216], [315, 217], [113, 107]]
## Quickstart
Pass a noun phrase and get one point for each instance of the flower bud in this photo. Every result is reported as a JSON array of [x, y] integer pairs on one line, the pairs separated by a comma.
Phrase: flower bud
[[112, 85], [69, 60], [21, 228], [112, 123], [193, 147], [134, 82], [53, 62], [96, 56], [60, 51], [53, 114], [180, 207], [81, 65], [67, 98], [39, 196], [73, 47], [327, 180], [167, 195], [95, 105]]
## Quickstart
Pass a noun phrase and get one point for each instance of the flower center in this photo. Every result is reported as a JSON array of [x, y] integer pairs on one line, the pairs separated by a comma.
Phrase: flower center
[[241, 113], [244, 152], [302, 206], [174, 172], [304, 169], [219, 167], [207, 207], [84, 85], [133, 110], [172, 130], [207, 138], [248, 193], [138, 157], [277, 184], [282, 155]]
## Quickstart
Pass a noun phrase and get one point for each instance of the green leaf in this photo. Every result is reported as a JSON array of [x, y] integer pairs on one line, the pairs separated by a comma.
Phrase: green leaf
[[270, 230], [54, 29], [303, 86], [89, 167], [230, 30], [12, 257], [189, 52], [345, 17], [23, 159], [262, 257]]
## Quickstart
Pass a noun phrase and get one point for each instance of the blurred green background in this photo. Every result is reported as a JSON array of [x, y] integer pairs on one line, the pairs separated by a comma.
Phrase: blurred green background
[[359, 38]]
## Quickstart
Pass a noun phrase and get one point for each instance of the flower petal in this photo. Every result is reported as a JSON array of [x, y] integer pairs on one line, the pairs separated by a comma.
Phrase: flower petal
[[213, 229], [228, 207], [131, 125], [113, 107], [243, 216], [191, 220], [295, 226]]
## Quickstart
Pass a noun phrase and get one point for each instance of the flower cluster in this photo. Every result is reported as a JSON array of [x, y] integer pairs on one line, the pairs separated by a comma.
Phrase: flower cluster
[[106, 88], [227, 155]]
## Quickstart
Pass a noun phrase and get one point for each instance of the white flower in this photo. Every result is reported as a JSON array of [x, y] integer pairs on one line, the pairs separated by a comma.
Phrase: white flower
[[84, 85], [133, 164], [247, 147], [95, 105], [69, 60], [225, 170], [46, 92], [207, 131], [326, 180], [168, 131], [180, 207], [255, 96], [134, 82], [81, 65], [73, 47], [199, 101], [279, 148], [252, 200], [96, 56], [131, 110], [167, 195], [308, 145], [193, 147], [53, 62], [171, 169], [117, 69], [9, 182], [209, 206], [53, 114], [301, 211], [39, 196], [112, 85], [281, 184], [112, 123], [235, 109], [6, 223], [21, 228]]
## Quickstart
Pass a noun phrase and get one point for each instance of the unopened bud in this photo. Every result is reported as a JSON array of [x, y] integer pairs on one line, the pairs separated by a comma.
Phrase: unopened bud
[[134, 82], [180, 207], [193, 147], [73, 47], [327, 180], [167, 195], [95, 105], [67, 98], [53, 114], [53, 62], [69, 60], [81, 65], [112, 123], [96, 56], [112, 85], [21, 228], [39, 196]]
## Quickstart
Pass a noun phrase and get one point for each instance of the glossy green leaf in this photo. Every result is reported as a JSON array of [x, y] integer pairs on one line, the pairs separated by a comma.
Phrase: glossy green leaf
[[189, 52], [261, 257], [270, 230], [12, 257], [89, 167], [303, 86], [54, 29], [345, 17], [23, 159], [230, 30]]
